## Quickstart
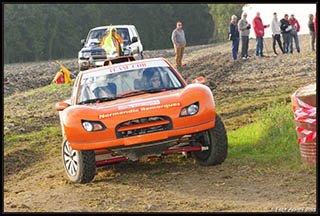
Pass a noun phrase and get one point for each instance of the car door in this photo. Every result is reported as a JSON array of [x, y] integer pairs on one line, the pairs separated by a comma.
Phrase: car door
[[134, 46], [139, 44]]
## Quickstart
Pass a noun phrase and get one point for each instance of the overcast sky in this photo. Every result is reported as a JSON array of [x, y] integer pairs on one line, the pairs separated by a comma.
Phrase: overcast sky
[[300, 11]]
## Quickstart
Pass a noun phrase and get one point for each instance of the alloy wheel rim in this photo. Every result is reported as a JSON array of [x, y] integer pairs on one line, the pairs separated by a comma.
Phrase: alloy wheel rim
[[71, 159]]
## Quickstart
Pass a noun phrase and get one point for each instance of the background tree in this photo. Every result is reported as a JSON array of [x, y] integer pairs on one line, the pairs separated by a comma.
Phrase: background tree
[[221, 15], [35, 32]]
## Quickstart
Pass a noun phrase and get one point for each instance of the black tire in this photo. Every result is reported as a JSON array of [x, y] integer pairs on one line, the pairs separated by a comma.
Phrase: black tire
[[217, 142], [82, 68], [80, 166]]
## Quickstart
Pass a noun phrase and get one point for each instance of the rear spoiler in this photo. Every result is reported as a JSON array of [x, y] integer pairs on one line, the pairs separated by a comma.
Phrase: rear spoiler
[[118, 60]]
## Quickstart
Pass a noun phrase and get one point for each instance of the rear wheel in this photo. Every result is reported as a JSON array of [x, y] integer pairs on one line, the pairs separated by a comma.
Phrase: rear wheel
[[217, 142], [79, 165]]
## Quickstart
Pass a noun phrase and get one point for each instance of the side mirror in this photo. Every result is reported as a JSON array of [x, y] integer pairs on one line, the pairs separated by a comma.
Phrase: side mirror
[[199, 80], [82, 42], [60, 106], [134, 39]]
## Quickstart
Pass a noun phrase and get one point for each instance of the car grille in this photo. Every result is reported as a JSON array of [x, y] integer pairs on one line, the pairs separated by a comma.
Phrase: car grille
[[142, 126], [98, 57], [98, 53]]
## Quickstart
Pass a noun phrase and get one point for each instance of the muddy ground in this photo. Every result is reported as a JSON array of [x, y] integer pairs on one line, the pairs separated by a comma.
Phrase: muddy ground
[[171, 184]]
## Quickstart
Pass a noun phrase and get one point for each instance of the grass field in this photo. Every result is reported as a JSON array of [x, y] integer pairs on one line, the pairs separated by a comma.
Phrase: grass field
[[270, 141]]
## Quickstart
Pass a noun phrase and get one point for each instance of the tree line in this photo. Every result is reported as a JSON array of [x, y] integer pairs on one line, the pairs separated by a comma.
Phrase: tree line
[[35, 32]]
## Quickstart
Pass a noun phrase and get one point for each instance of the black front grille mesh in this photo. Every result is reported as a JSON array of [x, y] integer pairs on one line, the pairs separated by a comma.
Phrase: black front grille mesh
[[146, 130]]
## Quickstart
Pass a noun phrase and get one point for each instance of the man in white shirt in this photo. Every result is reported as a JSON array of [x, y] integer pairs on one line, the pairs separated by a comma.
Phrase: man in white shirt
[[275, 27]]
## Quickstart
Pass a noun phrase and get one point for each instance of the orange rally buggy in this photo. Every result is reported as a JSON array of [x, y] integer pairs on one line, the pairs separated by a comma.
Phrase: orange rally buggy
[[137, 109]]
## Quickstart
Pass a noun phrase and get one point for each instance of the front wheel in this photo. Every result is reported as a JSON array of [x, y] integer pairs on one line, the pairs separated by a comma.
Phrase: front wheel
[[81, 68], [217, 142], [79, 165]]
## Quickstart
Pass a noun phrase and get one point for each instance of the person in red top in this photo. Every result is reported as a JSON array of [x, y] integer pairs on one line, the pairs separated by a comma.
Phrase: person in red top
[[258, 28], [294, 33], [315, 24]]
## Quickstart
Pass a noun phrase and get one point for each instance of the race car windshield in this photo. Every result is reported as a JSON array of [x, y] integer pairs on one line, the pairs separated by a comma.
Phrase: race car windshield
[[127, 83]]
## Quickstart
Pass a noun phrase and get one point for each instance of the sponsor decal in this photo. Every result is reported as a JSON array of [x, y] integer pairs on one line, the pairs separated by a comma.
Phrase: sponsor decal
[[132, 66], [148, 103], [135, 100], [139, 109], [127, 67]]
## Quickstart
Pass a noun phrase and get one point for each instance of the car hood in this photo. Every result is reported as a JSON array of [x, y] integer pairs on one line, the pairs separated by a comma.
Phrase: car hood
[[112, 114], [97, 48], [160, 103]]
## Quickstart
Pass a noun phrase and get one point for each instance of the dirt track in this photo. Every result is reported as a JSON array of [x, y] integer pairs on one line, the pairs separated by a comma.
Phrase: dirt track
[[174, 184]]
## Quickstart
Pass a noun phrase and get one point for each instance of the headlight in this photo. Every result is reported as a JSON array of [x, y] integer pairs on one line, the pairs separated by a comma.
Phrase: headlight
[[190, 110], [193, 109], [92, 126], [126, 52], [87, 126], [86, 54]]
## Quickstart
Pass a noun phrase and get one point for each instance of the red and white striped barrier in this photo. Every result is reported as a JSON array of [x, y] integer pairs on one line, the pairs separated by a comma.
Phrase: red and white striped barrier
[[305, 119], [305, 112], [310, 135], [301, 103], [303, 115]]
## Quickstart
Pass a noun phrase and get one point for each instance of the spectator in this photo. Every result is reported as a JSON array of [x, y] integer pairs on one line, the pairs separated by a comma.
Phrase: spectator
[[234, 36], [107, 34], [112, 43], [311, 31], [294, 33], [179, 43], [285, 30], [259, 32], [275, 27], [315, 24], [244, 28]]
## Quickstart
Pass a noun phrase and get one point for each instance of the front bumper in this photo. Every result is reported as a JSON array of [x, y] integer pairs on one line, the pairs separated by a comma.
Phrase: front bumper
[[146, 138], [85, 63]]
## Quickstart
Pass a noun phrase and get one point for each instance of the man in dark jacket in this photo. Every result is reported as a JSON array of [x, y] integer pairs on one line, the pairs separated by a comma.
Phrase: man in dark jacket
[[234, 36], [285, 30], [311, 31]]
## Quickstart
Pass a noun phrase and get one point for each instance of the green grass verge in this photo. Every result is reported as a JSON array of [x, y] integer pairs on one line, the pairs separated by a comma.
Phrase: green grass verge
[[239, 110], [31, 121], [47, 140], [272, 140]]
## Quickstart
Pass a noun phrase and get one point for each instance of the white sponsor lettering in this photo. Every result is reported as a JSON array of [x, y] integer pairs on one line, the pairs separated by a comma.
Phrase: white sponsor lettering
[[130, 106], [132, 66]]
